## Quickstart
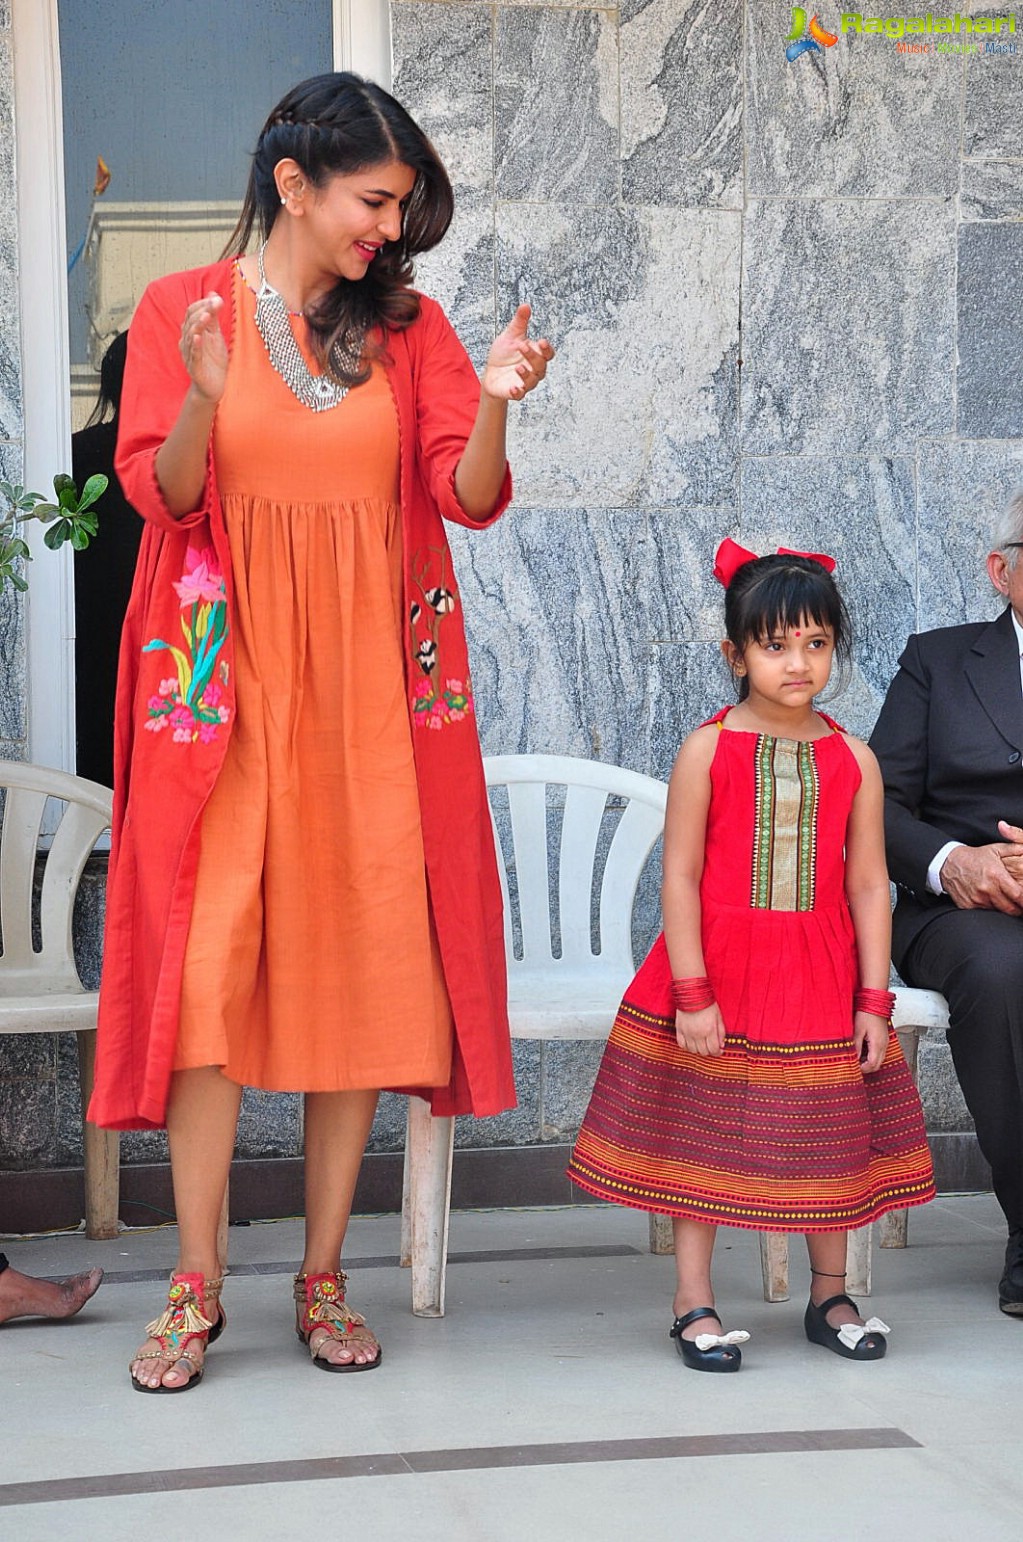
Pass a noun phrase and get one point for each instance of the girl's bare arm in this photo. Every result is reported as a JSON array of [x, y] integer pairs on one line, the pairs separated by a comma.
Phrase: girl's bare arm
[[685, 831], [867, 890]]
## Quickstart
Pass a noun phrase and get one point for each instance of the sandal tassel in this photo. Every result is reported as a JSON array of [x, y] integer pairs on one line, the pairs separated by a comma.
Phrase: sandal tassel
[[181, 1317]]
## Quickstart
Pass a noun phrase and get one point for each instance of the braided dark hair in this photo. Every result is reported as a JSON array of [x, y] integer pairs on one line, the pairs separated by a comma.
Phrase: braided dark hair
[[341, 124], [772, 594]]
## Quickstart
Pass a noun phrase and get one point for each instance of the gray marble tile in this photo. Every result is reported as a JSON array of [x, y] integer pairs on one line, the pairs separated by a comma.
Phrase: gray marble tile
[[991, 190], [10, 343], [561, 608], [556, 105], [944, 1105], [270, 1124], [29, 1056], [443, 73], [28, 1122], [993, 96], [13, 657], [388, 1132], [682, 90], [520, 1126], [569, 1071], [87, 922], [5, 14], [989, 378], [848, 322], [685, 684], [640, 406], [141, 1146], [67, 1150], [460, 275], [857, 118], [962, 490], [863, 513]]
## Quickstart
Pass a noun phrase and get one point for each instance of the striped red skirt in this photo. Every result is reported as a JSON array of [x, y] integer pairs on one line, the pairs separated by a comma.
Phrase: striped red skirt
[[778, 1136]]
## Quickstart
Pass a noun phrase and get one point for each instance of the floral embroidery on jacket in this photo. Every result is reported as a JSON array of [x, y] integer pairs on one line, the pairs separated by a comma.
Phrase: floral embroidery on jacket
[[191, 702], [436, 700]]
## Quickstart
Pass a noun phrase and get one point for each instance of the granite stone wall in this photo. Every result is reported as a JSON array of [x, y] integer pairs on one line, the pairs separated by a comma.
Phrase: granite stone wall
[[784, 298]]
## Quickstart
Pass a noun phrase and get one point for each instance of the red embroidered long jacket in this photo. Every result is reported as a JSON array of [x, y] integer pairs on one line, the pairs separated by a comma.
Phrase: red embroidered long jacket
[[175, 708]]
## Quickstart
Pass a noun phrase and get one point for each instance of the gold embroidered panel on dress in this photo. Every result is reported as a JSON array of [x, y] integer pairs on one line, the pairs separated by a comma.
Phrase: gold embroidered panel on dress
[[785, 825]]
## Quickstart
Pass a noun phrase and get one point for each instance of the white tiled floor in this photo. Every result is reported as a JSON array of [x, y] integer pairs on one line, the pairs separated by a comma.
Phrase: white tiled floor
[[532, 1351]]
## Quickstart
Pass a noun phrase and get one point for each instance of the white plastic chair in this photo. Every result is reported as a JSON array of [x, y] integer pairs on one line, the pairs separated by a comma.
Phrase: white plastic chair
[[556, 990], [40, 991]]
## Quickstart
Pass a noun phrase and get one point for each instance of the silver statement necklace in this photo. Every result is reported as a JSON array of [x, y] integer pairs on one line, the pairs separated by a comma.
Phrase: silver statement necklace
[[319, 392]]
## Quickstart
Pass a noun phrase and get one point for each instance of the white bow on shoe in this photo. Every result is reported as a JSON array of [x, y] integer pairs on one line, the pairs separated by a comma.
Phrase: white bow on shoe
[[850, 1333], [721, 1340]]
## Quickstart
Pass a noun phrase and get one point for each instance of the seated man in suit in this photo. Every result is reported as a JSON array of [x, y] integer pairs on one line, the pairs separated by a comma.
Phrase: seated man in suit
[[950, 743]]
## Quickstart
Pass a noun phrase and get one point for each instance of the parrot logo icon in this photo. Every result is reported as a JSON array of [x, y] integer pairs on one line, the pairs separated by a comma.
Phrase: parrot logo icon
[[803, 39]]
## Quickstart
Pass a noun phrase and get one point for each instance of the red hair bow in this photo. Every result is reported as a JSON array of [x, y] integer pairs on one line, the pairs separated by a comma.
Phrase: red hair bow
[[730, 557]]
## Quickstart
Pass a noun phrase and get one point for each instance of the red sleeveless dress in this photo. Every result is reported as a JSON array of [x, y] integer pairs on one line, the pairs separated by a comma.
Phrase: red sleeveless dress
[[782, 1132]]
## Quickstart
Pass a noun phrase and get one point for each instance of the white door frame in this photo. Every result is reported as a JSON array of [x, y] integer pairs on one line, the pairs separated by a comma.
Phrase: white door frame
[[361, 35]]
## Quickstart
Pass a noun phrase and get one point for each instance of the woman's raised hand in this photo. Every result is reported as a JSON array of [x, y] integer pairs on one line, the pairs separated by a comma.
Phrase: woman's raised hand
[[515, 364], [203, 347]]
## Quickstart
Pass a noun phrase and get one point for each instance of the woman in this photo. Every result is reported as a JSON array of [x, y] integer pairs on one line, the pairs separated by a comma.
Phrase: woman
[[303, 890]]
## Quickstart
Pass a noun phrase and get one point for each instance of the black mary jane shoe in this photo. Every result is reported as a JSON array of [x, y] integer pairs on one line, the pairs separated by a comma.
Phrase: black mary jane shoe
[[871, 1345], [720, 1357]]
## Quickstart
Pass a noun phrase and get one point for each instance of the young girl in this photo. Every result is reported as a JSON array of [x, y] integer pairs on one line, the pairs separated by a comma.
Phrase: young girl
[[752, 1077]]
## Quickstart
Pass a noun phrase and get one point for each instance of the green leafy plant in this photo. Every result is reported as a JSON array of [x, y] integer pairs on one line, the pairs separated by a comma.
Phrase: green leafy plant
[[72, 518]]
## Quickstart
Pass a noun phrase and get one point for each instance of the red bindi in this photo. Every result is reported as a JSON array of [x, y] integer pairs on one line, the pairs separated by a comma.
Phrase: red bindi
[[799, 634]]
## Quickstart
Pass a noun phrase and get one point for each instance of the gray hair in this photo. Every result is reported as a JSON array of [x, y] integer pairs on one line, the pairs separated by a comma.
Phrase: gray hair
[[1008, 529]]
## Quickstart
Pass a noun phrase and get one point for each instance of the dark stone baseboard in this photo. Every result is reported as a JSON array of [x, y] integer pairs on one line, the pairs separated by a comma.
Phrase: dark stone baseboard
[[483, 1177]]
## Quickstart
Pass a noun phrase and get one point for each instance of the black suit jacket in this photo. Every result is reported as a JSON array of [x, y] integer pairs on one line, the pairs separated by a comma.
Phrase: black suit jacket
[[950, 743]]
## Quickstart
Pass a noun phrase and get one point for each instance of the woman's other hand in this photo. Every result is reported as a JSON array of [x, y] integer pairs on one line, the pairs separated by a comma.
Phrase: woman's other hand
[[515, 363], [203, 347]]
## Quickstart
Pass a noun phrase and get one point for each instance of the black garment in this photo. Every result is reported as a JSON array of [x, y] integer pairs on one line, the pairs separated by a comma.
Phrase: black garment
[[975, 959], [950, 743], [3, 1262], [103, 580]]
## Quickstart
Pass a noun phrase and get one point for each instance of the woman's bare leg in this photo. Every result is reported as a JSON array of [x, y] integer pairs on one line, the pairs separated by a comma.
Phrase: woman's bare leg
[[337, 1126], [202, 1118]]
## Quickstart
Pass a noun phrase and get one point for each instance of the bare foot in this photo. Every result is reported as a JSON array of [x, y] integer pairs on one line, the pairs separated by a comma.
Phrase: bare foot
[[23, 1296], [170, 1372], [358, 1347]]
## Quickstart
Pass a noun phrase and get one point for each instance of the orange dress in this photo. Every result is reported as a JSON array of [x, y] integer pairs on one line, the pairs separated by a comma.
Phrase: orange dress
[[311, 865]]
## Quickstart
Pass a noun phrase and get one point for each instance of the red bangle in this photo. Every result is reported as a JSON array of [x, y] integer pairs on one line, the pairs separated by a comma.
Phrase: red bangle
[[693, 994], [876, 1003]]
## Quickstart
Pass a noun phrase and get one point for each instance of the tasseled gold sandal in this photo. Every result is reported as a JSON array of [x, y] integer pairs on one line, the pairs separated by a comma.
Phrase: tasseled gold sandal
[[321, 1302], [180, 1323]]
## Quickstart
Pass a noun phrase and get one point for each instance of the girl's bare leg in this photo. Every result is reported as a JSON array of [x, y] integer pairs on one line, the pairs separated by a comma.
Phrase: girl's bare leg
[[694, 1248], [202, 1117], [337, 1126], [827, 1263]]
